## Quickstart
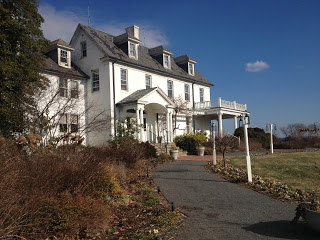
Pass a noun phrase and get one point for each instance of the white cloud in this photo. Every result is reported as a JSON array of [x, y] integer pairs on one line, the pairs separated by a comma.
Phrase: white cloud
[[58, 24], [62, 24], [257, 66]]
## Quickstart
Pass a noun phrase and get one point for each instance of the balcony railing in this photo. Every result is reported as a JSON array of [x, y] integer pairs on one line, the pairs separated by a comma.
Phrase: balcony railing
[[220, 104]]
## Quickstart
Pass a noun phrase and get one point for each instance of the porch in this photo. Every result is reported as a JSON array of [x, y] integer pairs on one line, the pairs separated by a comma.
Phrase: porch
[[218, 110]]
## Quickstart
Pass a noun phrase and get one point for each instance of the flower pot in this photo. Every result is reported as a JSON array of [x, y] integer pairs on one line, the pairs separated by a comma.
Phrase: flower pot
[[174, 154], [312, 218], [200, 151]]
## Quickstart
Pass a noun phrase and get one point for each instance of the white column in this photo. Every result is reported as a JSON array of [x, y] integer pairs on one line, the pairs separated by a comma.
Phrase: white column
[[271, 139], [141, 123], [171, 129], [138, 123], [168, 127], [235, 122], [155, 132], [151, 133], [246, 140], [220, 124]]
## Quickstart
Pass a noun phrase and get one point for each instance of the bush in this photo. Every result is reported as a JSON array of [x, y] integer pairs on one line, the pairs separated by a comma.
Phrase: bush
[[190, 141]]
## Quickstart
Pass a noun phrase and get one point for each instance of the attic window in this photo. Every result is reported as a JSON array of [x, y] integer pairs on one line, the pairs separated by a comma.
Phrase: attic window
[[166, 61], [84, 49], [191, 68], [132, 50], [64, 56]]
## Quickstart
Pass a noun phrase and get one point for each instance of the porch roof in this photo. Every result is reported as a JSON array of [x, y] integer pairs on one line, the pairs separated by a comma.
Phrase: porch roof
[[139, 95]]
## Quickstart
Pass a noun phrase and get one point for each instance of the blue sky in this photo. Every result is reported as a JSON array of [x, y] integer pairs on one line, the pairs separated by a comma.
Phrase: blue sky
[[263, 53]]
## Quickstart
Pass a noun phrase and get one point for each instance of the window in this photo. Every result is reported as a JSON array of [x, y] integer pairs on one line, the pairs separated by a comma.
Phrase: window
[[186, 92], [148, 81], [95, 80], [63, 123], [84, 49], [132, 52], [201, 94], [191, 72], [124, 79], [63, 87], [74, 123], [74, 89], [64, 56], [170, 88], [166, 60]]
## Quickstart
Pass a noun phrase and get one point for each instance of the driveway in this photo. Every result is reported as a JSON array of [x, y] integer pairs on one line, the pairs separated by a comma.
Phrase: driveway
[[217, 209]]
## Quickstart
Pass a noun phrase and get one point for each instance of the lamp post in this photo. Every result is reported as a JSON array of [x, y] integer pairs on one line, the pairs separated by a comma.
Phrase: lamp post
[[271, 139], [246, 121], [214, 143]]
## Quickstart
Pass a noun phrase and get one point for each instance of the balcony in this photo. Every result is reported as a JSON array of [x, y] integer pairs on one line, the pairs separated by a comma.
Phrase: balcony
[[220, 104]]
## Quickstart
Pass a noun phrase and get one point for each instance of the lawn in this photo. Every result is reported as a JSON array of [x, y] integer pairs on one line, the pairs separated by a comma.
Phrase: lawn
[[298, 170]]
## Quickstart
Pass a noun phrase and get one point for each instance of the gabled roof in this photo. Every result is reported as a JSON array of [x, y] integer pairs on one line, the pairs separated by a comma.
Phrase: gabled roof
[[74, 72], [139, 94], [158, 50], [105, 43], [59, 42], [184, 59]]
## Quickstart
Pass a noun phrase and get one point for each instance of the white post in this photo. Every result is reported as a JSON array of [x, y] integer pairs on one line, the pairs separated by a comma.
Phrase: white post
[[138, 123], [151, 133], [171, 130], [141, 125], [235, 122], [214, 143], [220, 124], [168, 125], [245, 130], [271, 139], [219, 101], [155, 132]]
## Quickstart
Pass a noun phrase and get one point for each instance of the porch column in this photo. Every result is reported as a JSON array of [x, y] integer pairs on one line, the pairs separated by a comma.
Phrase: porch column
[[138, 123], [141, 124], [171, 132], [151, 133], [235, 122], [155, 132], [220, 124], [168, 127]]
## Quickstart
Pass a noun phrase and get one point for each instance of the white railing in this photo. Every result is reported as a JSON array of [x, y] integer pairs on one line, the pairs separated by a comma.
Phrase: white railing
[[220, 103]]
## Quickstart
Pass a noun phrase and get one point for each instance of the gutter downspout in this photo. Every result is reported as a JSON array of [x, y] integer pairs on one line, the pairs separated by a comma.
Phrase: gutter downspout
[[193, 121], [114, 99]]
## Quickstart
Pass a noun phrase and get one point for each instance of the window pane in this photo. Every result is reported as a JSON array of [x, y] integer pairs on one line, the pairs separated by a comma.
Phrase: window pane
[[166, 61], [186, 92], [124, 81], [148, 81], [95, 80], [63, 56], [132, 50], [84, 49], [170, 86], [191, 68]]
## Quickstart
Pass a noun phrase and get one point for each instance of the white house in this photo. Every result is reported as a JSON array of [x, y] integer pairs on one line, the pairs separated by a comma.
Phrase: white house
[[63, 103], [129, 81]]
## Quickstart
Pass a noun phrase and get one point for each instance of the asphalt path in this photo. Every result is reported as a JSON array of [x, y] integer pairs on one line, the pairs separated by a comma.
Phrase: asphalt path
[[217, 209]]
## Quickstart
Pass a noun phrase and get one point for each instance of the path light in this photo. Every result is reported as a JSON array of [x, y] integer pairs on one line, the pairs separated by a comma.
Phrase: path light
[[272, 126], [245, 121], [214, 143]]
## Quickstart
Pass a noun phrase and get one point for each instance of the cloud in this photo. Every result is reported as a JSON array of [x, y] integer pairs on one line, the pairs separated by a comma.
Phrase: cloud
[[257, 66], [62, 24], [58, 24]]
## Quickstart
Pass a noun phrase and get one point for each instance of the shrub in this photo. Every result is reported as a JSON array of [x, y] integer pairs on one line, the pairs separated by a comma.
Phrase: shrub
[[190, 141]]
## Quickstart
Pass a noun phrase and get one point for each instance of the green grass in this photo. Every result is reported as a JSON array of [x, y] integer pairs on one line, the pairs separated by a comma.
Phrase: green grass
[[298, 170]]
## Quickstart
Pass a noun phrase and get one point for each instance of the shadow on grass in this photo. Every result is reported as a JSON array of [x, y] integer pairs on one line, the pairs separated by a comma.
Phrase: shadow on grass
[[284, 230]]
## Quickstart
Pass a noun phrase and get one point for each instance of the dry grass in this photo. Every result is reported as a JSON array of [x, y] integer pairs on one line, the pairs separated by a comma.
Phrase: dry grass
[[298, 170]]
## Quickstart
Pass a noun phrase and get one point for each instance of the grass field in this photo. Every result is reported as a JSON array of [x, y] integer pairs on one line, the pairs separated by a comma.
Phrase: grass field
[[298, 170]]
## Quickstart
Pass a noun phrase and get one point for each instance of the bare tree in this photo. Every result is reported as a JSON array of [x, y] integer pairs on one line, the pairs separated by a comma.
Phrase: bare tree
[[181, 107], [63, 115], [224, 144]]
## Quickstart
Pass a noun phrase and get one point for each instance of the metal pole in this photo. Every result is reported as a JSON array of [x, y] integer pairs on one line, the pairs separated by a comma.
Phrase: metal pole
[[245, 130], [214, 143], [271, 139]]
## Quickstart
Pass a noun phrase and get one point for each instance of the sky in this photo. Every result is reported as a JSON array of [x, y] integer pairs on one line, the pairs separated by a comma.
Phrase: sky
[[265, 53]]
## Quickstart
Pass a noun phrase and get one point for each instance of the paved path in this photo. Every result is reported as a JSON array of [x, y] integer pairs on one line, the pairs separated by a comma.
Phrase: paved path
[[217, 209]]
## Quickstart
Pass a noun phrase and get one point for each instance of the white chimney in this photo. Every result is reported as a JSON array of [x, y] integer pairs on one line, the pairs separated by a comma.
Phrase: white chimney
[[133, 31]]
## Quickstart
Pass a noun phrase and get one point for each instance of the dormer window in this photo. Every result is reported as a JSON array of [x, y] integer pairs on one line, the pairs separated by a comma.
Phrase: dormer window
[[166, 61], [191, 68], [64, 56], [132, 51]]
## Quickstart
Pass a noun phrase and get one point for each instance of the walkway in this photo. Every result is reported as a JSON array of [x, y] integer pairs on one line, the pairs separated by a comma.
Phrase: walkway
[[217, 209]]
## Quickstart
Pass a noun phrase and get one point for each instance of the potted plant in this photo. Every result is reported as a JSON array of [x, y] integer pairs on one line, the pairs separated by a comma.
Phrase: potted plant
[[200, 150], [174, 152], [311, 214]]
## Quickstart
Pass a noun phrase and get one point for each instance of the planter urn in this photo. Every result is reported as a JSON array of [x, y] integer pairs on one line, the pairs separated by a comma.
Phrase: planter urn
[[174, 154], [200, 151]]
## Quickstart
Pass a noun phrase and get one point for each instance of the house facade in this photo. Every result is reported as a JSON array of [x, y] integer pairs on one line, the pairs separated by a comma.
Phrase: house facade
[[123, 81]]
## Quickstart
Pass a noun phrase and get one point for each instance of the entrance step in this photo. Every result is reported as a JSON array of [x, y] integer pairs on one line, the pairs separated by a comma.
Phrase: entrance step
[[165, 148]]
